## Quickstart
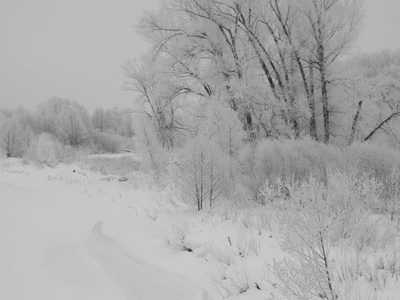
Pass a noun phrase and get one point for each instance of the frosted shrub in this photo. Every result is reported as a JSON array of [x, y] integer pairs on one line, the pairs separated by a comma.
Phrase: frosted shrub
[[287, 160], [108, 143], [248, 173], [11, 138], [203, 172], [222, 125], [146, 141], [296, 160], [44, 150], [176, 236], [390, 203], [375, 159], [121, 166], [314, 218]]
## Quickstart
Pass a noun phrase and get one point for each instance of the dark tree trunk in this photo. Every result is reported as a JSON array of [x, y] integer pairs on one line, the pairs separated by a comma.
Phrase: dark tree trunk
[[324, 94], [311, 104], [355, 123], [393, 115]]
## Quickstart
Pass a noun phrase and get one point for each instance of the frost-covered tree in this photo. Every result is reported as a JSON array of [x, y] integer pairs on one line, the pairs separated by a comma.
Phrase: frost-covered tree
[[203, 50], [221, 126], [44, 150], [112, 121], [202, 172], [100, 120], [372, 90], [146, 142], [71, 129], [158, 97], [270, 61], [66, 120], [11, 140], [328, 28]]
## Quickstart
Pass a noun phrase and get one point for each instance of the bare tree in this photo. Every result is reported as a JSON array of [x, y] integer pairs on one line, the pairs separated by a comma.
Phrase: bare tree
[[329, 27], [202, 173], [233, 50], [158, 97], [11, 137]]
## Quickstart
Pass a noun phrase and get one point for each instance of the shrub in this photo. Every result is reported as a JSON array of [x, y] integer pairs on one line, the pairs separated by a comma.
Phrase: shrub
[[315, 217], [375, 159], [11, 138], [156, 158], [106, 143], [203, 172], [44, 150], [122, 165], [293, 160], [296, 160]]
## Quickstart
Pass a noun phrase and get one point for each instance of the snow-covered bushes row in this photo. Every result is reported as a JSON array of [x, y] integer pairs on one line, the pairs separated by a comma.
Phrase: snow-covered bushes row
[[118, 165], [106, 143], [296, 160], [14, 140], [69, 123], [283, 159], [311, 239], [324, 223], [48, 150]]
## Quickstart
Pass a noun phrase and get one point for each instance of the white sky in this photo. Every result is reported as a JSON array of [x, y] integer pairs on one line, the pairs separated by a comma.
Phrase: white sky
[[75, 48]]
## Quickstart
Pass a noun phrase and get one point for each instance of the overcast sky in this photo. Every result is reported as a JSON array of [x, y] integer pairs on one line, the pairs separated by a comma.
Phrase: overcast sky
[[75, 48]]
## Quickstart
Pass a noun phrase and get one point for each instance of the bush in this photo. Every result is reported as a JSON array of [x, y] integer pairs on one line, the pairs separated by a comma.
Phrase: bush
[[375, 159], [11, 138], [293, 160], [296, 160], [314, 218], [44, 150], [156, 158], [203, 172], [122, 165], [106, 143]]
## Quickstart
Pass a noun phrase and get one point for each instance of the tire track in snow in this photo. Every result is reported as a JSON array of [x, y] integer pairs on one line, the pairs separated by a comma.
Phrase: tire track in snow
[[145, 281]]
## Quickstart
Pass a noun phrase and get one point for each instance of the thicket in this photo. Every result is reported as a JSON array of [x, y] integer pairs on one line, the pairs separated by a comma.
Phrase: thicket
[[119, 165], [297, 160], [60, 130], [330, 228]]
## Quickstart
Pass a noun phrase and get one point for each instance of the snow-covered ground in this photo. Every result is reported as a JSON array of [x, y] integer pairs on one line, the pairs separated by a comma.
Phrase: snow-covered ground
[[70, 235]]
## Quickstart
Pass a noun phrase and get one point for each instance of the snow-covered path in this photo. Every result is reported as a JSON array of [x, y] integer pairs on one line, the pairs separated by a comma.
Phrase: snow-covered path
[[53, 246]]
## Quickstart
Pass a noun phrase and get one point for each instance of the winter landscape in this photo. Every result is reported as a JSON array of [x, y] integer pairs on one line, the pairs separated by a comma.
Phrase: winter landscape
[[258, 158]]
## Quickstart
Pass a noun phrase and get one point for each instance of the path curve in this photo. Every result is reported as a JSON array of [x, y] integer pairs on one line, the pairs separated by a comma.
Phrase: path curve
[[145, 281]]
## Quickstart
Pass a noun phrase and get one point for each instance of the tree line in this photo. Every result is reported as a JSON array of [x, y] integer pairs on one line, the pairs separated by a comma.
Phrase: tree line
[[67, 122], [285, 67]]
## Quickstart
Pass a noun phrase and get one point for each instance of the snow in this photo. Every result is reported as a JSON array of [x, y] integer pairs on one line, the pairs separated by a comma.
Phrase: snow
[[66, 233], [55, 246]]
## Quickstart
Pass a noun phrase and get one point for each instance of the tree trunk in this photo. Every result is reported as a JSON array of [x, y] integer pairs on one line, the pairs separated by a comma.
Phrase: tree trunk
[[311, 104], [393, 115], [355, 123], [324, 95]]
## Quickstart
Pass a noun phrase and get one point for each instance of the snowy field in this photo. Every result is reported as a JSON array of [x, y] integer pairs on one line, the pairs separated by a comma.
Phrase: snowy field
[[66, 233], [70, 235]]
